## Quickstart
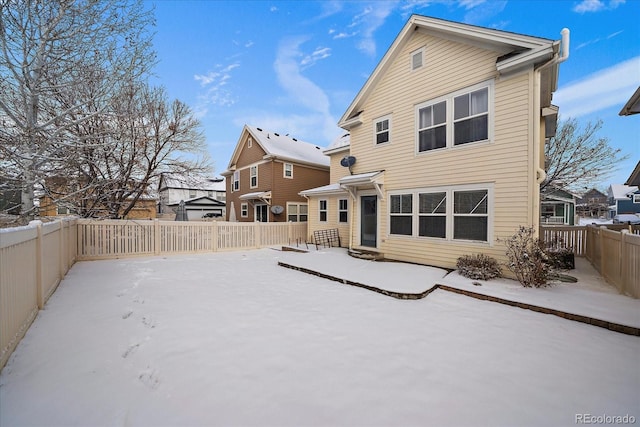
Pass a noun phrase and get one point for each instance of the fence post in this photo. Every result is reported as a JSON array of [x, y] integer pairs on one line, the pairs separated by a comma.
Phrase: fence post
[[214, 236], [39, 265], [156, 237], [289, 232], [257, 235], [624, 264], [61, 253], [601, 243]]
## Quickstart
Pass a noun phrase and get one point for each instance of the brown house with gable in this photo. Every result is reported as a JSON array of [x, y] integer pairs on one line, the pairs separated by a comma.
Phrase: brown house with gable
[[267, 171]]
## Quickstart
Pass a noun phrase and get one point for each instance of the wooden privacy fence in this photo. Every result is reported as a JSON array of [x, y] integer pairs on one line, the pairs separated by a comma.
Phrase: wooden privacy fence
[[102, 239], [33, 261], [613, 250]]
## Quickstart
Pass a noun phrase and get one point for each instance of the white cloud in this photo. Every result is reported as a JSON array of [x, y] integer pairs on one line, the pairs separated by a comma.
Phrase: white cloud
[[596, 5], [273, 9], [301, 89], [317, 55], [215, 92], [365, 24], [601, 90], [479, 11]]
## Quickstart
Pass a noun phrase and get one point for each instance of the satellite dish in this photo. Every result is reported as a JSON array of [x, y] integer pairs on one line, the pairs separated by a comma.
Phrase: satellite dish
[[348, 161], [277, 209]]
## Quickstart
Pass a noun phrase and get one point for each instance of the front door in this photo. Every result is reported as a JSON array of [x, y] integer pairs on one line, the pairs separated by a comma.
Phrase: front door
[[368, 220], [262, 213]]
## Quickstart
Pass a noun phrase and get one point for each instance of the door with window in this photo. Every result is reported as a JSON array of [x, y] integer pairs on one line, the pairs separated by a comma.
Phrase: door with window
[[368, 221], [261, 213]]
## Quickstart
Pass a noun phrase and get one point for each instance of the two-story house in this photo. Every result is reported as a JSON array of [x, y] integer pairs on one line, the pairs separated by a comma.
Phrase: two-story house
[[623, 199], [592, 204], [446, 151], [202, 196], [267, 171], [557, 206]]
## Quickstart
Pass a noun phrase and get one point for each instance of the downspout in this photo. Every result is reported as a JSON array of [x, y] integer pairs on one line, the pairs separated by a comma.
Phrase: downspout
[[540, 173]]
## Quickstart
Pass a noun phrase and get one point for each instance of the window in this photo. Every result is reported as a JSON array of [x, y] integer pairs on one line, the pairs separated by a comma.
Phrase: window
[[455, 119], [192, 194], [288, 170], [470, 215], [636, 198], [432, 211], [244, 210], [343, 210], [382, 130], [432, 127], [210, 193], [61, 210], [401, 214], [471, 117], [322, 205], [452, 213], [416, 59], [253, 176], [297, 212], [236, 181], [249, 143]]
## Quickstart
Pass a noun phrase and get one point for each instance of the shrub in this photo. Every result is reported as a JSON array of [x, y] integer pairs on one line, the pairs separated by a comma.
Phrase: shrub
[[528, 259], [479, 267]]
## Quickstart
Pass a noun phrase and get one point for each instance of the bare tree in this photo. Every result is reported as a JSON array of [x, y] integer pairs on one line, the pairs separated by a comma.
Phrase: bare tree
[[577, 159], [51, 47], [121, 153]]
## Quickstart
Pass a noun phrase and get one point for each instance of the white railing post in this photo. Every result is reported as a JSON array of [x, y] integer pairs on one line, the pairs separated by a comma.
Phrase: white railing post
[[257, 235], [39, 266], [214, 236], [625, 271]]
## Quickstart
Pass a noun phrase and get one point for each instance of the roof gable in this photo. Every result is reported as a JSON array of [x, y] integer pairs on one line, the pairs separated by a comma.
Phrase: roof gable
[[514, 51], [282, 147], [192, 182]]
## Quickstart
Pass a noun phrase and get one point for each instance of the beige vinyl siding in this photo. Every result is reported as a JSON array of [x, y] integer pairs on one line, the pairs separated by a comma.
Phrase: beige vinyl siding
[[314, 223], [337, 170], [504, 162]]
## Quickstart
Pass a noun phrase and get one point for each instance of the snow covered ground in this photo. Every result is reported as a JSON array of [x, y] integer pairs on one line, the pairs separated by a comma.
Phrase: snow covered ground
[[233, 339]]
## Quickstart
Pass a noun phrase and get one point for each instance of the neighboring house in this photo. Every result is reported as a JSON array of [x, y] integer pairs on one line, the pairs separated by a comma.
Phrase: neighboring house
[[634, 178], [267, 171], [592, 204], [201, 207], [557, 206], [623, 199], [10, 197], [54, 202], [201, 195], [446, 143]]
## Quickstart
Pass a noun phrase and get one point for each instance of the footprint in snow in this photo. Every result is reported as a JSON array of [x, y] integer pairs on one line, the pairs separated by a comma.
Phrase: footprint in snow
[[130, 350], [149, 322], [150, 378], [127, 314]]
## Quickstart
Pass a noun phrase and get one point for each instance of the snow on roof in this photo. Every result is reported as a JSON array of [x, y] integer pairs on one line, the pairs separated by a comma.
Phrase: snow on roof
[[196, 182], [342, 141], [288, 148], [331, 188], [620, 191]]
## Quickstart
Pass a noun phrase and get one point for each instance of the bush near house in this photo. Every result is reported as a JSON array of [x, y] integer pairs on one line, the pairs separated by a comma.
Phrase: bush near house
[[528, 258], [479, 267]]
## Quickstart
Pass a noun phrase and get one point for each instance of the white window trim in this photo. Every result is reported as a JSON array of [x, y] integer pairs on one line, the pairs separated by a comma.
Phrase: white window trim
[[449, 190], [298, 213], [325, 210], [284, 170], [249, 142], [346, 210], [251, 176], [450, 120], [236, 174], [375, 131], [244, 210], [415, 52]]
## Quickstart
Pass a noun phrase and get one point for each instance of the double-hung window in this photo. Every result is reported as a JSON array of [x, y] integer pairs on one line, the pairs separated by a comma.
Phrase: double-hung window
[[432, 126], [343, 210], [471, 117], [458, 118], [297, 212], [382, 129], [322, 210], [236, 181], [244, 210], [288, 170], [401, 214], [253, 174]]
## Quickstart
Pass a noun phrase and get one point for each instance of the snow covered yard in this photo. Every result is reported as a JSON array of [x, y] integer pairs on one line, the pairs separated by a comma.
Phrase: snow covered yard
[[233, 339]]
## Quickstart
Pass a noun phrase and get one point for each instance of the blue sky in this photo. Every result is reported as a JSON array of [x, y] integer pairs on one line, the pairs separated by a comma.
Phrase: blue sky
[[295, 66]]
